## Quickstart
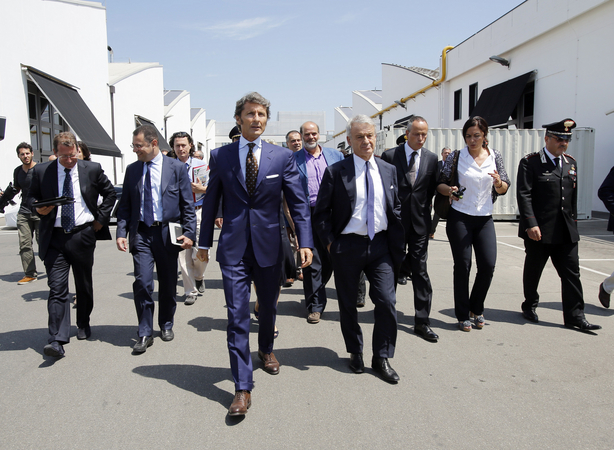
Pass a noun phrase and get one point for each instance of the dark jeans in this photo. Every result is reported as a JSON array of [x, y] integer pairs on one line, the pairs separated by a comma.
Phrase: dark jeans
[[465, 233]]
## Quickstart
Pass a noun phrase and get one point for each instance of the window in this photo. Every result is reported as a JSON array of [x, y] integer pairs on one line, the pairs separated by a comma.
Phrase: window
[[45, 123], [522, 116], [458, 104], [473, 97]]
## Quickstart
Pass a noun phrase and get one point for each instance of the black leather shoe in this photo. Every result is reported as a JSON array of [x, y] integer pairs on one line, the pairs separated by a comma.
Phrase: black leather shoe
[[425, 332], [357, 365], [382, 366], [604, 297], [530, 315], [84, 333], [142, 344], [402, 281], [54, 349], [583, 325], [167, 335]]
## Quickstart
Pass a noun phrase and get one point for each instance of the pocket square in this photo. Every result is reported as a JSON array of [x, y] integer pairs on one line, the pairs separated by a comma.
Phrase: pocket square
[[272, 176]]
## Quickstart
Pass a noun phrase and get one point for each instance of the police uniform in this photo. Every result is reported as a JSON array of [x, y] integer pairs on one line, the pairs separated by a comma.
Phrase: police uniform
[[547, 198]]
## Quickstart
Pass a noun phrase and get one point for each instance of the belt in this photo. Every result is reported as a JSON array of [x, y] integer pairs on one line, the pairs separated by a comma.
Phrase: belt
[[155, 224], [75, 229]]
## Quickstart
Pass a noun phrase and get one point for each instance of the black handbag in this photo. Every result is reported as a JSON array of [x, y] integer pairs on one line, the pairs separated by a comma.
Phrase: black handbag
[[441, 205]]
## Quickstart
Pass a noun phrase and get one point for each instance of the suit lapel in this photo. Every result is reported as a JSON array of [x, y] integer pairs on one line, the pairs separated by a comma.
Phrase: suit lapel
[[387, 184], [165, 176], [235, 165], [348, 176], [301, 162], [401, 157], [265, 162]]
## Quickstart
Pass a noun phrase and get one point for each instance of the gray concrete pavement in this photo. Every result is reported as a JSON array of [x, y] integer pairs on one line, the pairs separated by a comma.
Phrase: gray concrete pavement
[[511, 385]]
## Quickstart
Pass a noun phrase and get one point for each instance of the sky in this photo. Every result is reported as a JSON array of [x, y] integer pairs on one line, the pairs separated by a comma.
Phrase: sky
[[302, 56]]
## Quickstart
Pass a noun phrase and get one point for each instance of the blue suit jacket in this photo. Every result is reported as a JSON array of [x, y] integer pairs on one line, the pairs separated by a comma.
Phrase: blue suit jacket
[[337, 198], [330, 155], [255, 217], [177, 203]]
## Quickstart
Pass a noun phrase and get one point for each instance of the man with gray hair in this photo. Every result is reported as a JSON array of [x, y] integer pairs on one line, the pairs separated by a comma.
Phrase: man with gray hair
[[358, 219], [417, 177], [252, 175]]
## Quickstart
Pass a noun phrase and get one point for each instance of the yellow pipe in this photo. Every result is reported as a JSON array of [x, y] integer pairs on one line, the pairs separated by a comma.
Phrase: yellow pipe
[[421, 91]]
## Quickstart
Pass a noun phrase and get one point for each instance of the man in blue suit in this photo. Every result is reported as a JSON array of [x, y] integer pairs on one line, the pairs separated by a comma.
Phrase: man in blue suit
[[358, 218], [312, 160], [252, 175], [156, 191]]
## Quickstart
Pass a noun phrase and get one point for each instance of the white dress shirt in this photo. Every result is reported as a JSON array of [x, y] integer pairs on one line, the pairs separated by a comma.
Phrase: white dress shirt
[[358, 221], [477, 199], [82, 214], [551, 156], [244, 150], [156, 186]]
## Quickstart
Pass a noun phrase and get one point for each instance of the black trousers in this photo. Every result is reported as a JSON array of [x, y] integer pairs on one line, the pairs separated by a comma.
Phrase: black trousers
[[315, 277], [564, 257], [74, 250], [351, 254], [414, 265], [467, 233]]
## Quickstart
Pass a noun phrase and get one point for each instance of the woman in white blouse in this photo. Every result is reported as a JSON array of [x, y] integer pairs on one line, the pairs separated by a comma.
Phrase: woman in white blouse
[[469, 225]]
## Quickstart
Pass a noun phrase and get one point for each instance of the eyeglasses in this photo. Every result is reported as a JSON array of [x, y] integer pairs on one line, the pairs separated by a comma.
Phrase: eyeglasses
[[138, 146], [63, 157], [477, 137]]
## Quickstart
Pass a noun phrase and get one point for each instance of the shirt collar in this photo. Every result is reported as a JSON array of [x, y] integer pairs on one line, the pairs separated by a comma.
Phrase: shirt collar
[[243, 142]]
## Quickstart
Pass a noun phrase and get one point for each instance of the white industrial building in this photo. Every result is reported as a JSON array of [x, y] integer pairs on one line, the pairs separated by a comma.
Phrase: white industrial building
[[71, 85], [549, 65]]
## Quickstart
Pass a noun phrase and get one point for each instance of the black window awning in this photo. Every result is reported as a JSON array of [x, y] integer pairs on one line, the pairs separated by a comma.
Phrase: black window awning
[[402, 123], [497, 103], [162, 144], [69, 104]]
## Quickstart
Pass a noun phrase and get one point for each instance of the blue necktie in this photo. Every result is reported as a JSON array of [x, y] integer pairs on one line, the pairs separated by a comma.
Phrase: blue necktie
[[67, 217], [148, 216], [370, 204], [557, 167]]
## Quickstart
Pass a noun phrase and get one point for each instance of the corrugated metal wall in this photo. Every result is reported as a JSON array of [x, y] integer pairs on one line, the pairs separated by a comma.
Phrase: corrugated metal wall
[[514, 145]]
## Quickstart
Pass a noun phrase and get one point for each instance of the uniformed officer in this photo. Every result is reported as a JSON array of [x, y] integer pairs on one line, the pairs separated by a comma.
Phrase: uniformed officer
[[547, 192]]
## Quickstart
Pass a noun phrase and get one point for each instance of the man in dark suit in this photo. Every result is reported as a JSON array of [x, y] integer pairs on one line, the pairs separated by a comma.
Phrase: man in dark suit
[[547, 193], [417, 178], [358, 219], [606, 195], [312, 160], [156, 192], [68, 237], [252, 175]]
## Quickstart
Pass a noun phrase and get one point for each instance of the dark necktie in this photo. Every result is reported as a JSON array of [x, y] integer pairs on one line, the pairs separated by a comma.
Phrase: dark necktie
[[251, 170], [148, 216], [557, 168], [67, 218], [370, 203], [412, 168]]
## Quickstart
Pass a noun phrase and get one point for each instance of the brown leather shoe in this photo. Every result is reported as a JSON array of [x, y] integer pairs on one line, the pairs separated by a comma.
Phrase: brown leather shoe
[[270, 362], [240, 404]]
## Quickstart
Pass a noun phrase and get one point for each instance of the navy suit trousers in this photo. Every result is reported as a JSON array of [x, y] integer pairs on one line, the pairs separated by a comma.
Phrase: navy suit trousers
[[237, 281], [352, 254], [149, 249]]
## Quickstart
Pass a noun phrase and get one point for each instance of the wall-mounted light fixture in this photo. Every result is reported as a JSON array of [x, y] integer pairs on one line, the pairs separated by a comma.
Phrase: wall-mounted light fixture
[[500, 60], [401, 104]]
